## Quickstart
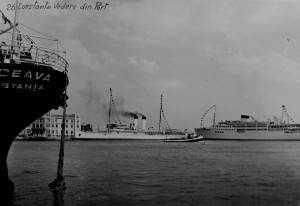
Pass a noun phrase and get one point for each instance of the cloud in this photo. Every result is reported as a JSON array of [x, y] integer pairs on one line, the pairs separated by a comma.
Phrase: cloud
[[167, 85], [144, 65], [149, 66], [68, 26], [93, 100], [272, 66], [147, 21], [108, 58], [282, 70], [77, 54], [133, 61]]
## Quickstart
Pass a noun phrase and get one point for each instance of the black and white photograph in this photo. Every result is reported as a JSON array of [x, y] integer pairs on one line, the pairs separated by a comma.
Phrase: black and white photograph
[[149, 102]]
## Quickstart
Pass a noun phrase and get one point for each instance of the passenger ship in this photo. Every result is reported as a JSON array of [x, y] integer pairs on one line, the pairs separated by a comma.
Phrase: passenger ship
[[119, 131], [246, 129], [124, 132]]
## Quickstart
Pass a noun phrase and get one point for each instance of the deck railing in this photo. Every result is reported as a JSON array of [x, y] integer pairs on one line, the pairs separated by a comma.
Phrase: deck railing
[[22, 51]]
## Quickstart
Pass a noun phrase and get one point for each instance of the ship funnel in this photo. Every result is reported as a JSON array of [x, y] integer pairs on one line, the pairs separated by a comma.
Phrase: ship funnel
[[244, 118], [135, 124], [144, 123]]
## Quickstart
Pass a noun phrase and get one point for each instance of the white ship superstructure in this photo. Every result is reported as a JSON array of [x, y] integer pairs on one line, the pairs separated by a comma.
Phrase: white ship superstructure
[[246, 129]]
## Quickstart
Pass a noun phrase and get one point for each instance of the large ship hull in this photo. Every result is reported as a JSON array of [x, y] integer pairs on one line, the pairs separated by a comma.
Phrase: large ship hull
[[124, 136], [28, 91], [247, 135]]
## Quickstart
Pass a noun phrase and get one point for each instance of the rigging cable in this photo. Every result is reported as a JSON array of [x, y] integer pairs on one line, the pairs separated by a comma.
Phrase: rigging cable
[[287, 114], [202, 118], [163, 114], [114, 107]]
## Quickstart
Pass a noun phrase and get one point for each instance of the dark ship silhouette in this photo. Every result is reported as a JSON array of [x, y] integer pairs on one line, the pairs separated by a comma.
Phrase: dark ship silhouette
[[33, 80]]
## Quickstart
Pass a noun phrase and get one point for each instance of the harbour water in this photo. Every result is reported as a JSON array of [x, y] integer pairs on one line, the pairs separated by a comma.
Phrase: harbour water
[[159, 173]]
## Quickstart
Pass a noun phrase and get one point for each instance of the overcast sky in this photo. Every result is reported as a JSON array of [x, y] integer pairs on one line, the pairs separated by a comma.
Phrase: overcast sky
[[242, 55]]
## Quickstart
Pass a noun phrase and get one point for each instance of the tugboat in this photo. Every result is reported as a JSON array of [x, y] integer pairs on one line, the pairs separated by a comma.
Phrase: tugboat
[[187, 138], [33, 80]]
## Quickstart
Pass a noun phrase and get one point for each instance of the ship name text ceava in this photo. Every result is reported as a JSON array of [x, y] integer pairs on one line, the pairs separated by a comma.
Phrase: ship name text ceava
[[24, 74]]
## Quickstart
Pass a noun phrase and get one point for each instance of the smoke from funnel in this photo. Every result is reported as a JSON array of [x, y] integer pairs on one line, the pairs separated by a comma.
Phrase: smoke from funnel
[[126, 113], [93, 103], [97, 103], [91, 97], [129, 114]]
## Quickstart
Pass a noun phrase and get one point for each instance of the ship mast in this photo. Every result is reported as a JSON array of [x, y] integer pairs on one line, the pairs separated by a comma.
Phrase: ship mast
[[281, 121], [14, 27], [109, 110], [162, 115], [112, 106], [214, 121], [160, 111]]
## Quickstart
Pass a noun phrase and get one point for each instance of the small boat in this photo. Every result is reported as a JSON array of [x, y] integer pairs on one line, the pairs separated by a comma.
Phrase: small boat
[[187, 138]]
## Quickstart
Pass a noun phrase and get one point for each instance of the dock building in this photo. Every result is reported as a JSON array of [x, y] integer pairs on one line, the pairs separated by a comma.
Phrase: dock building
[[49, 126]]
